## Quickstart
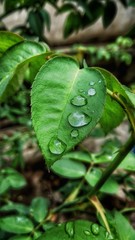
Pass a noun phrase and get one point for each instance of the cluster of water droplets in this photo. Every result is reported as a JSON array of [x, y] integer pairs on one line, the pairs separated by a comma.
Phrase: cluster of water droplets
[[76, 119]]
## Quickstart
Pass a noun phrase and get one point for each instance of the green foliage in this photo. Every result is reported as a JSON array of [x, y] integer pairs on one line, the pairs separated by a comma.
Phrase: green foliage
[[67, 104], [75, 116]]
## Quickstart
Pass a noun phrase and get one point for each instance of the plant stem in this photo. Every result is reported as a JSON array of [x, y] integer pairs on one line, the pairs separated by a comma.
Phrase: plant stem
[[117, 160]]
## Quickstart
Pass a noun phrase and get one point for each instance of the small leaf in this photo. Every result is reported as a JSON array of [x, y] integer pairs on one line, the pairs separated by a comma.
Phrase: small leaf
[[65, 105], [68, 168], [77, 230], [16, 181], [39, 208], [72, 23], [79, 156], [129, 162], [36, 23], [7, 40], [16, 224], [13, 64], [4, 185], [110, 11], [46, 18], [110, 186]]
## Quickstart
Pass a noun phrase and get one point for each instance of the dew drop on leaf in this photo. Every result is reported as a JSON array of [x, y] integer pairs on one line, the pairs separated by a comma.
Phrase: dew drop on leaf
[[56, 146], [79, 101], [78, 119], [95, 228], [74, 133], [69, 228], [99, 81], [87, 232], [91, 92], [92, 83]]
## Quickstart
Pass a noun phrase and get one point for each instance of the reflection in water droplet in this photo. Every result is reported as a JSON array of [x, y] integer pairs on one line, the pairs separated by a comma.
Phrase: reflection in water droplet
[[95, 228], [56, 146], [87, 232], [92, 83], [91, 92], [79, 101], [69, 228], [78, 119], [99, 81], [74, 133], [109, 236], [82, 91]]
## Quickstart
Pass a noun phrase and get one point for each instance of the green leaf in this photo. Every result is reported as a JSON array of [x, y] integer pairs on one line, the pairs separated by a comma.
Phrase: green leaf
[[46, 18], [110, 11], [67, 103], [131, 3], [131, 95], [16, 224], [72, 23], [22, 237], [7, 40], [11, 206], [4, 185], [129, 162], [113, 113], [110, 186], [13, 65], [39, 208], [68, 168], [36, 23], [16, 181], [79, 156], [77, 230]]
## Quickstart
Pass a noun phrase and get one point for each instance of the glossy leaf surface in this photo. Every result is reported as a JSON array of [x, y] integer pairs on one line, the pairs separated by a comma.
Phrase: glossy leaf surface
[[68, 168], [7, 40], [67, 103], [13, 65], [77, 230], [16, 224]]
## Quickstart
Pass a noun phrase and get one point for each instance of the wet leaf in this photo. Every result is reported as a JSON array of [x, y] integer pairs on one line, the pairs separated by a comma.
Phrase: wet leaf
[[77, 230], [39, 208], [60, 123]]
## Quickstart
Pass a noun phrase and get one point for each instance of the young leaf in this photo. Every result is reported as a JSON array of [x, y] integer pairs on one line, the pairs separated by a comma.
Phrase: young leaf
[[67, 103], [110, 11], [69, 168], [13, 65], [77, 230], [11, 206], [7, 40], [16, 224], [39, 208]]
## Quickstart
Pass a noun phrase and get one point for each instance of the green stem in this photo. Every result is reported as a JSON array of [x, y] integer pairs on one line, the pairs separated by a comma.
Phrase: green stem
[[117, 160]]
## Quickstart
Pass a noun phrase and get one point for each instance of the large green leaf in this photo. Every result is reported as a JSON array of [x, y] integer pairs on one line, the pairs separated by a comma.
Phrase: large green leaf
[[77, 230], [7, 40], [13, 65], [67, 103], [16, 224]]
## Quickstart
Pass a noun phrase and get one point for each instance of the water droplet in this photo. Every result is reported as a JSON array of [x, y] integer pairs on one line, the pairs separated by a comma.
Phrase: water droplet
[[99, 81], [79, 101], [92, 83], [78, 119], [87, 232], [56, 146], [95, 228], [109, 236], [91, 92], [69, 228], [74, 133]]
